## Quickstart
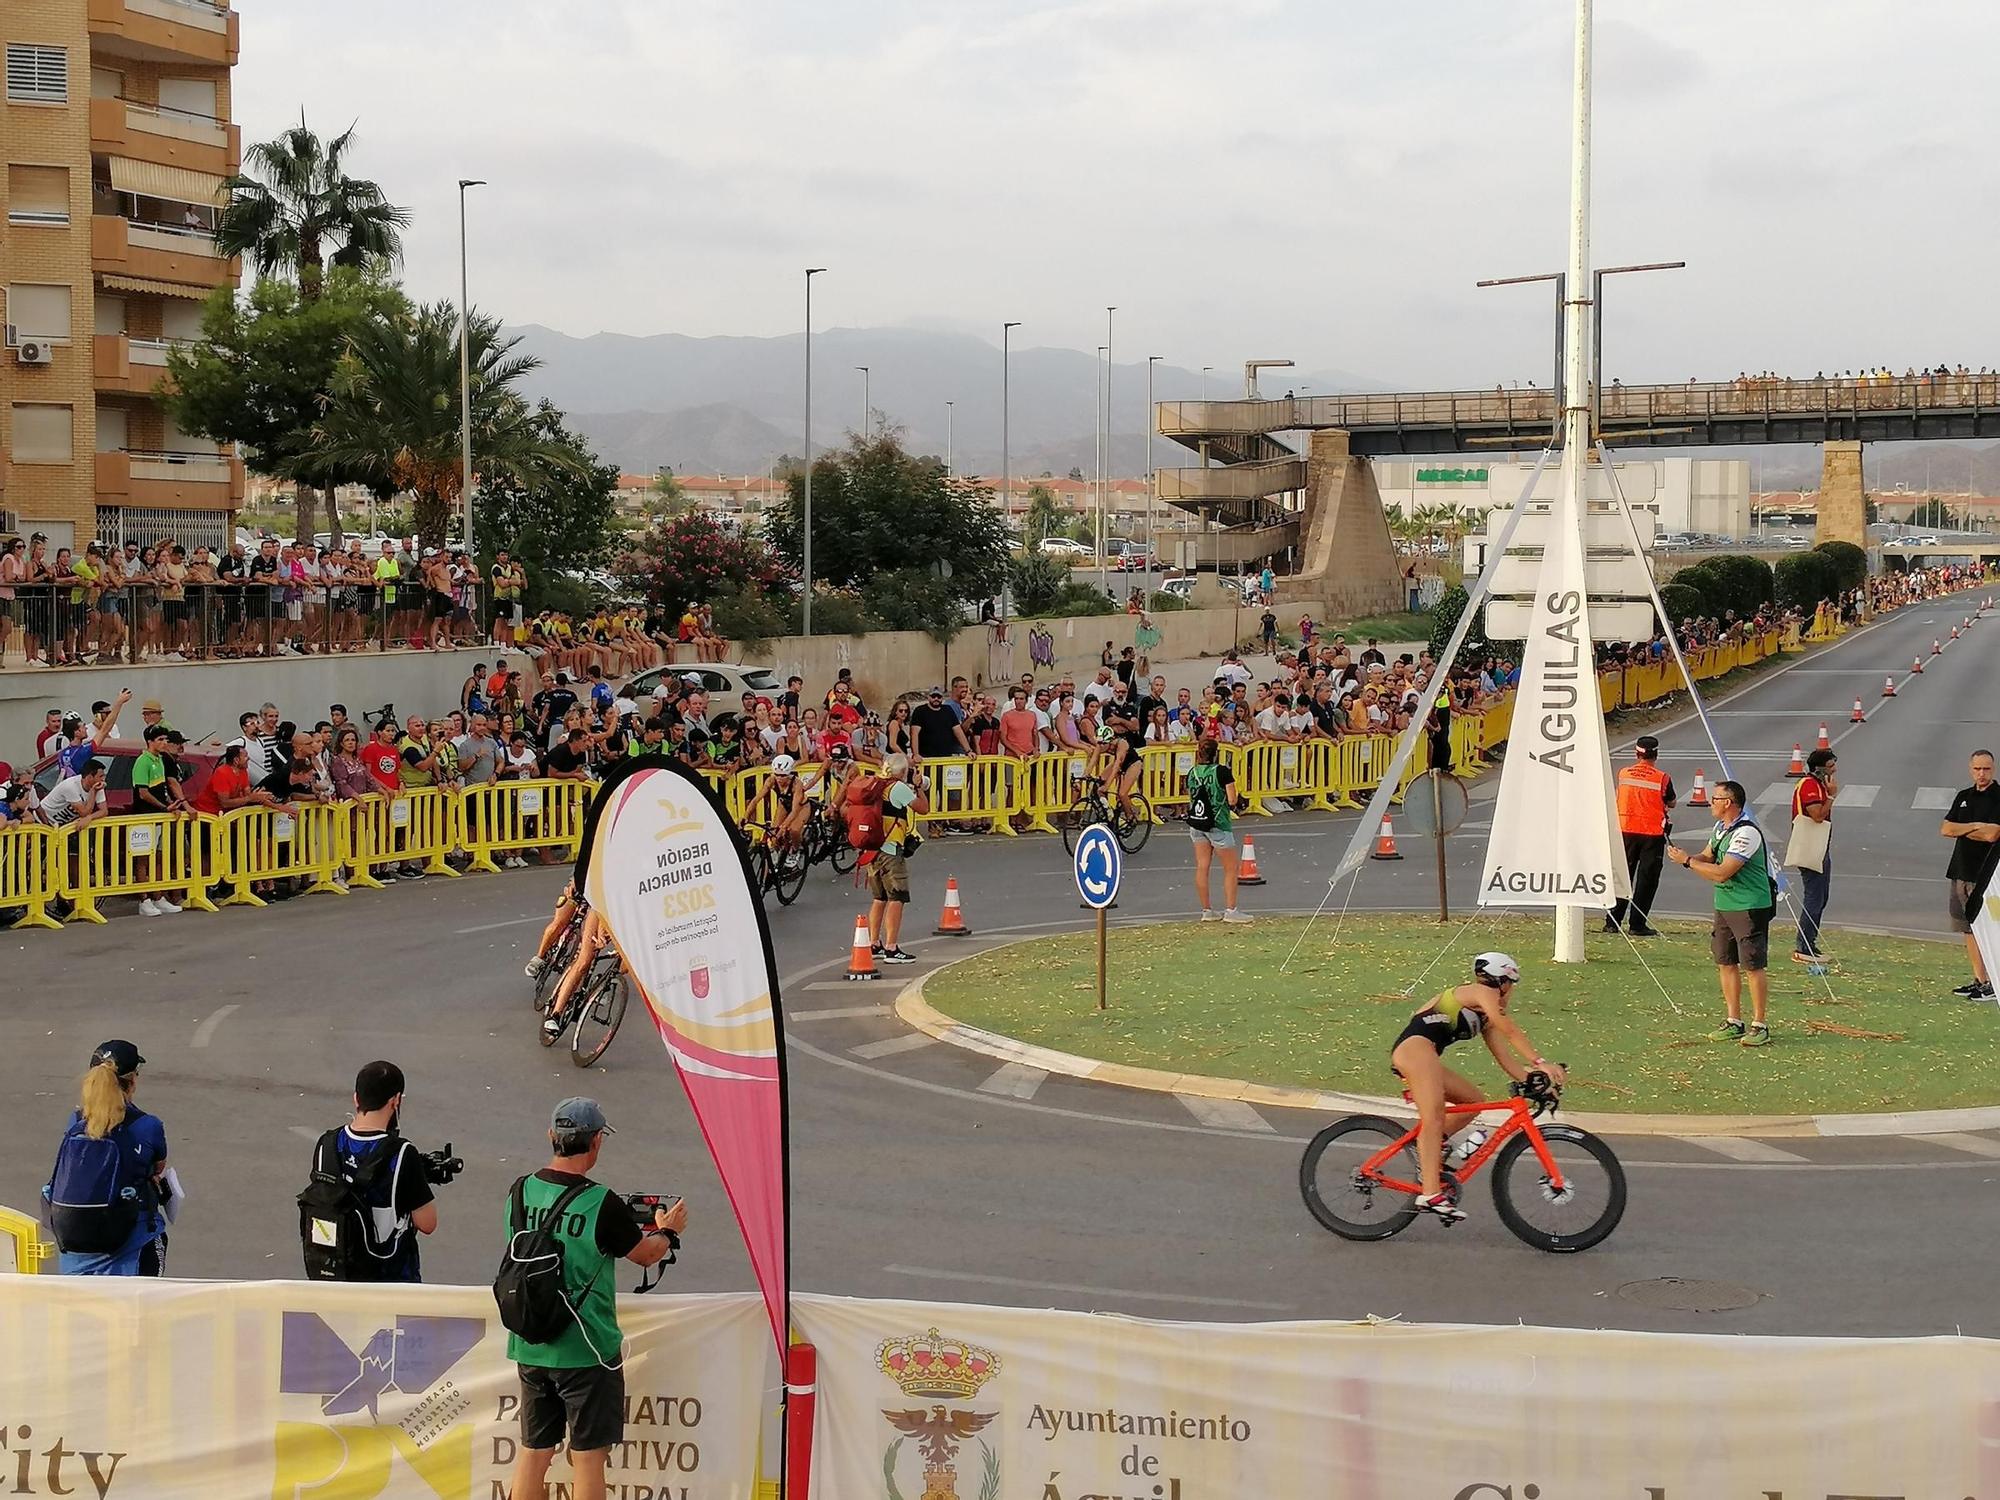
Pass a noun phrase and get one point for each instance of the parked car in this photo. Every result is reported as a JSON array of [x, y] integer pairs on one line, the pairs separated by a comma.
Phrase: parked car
[[724, 682], [1063, 544], [1183, 587], [118, 756]]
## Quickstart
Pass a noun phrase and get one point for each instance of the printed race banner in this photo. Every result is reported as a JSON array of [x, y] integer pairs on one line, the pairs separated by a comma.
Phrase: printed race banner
[[661, 862], [165, 1390], [929, 1401], [1555, 822]]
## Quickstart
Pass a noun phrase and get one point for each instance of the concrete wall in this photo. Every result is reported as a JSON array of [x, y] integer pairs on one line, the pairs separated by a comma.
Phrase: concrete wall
[[203, 698]]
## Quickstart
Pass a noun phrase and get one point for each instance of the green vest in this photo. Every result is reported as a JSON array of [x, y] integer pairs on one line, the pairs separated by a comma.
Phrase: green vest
[[589, 1278], [1749, 889], [1212, 779]]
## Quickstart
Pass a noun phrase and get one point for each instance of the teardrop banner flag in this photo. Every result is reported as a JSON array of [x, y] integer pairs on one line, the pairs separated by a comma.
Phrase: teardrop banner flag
[[663, 865], [1555, 822]]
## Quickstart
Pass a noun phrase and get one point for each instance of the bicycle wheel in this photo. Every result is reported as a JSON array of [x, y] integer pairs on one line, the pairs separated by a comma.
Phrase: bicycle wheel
[[1588, 1208], [601, 1008], [844, 854], [1134, 825], [555, 968], [788, 875], [1352, 1206], [1086, 810]]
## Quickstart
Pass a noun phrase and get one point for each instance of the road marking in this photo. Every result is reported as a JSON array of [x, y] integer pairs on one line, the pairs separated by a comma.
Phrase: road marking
[[1185, 1298], [1224, 1114], [892, 1045], [1933, 799], [307, 1133], [1972, 1145], [1014, 1081], [1855, 796], [1739, 1148], [205, 1032], [844, 986], [496, 926], [1772, 795], [836, 1012]]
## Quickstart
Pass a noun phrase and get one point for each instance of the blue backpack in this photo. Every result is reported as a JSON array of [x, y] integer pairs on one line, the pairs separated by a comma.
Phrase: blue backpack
[[97, 1191]]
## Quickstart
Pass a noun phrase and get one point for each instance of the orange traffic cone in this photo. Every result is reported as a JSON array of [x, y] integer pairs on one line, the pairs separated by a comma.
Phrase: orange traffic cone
[[1954, 631], [1856, 717], [1824, 744], [1699, 796], [1888, 687], [1937, 648], [1917, 665], [862, 964], [1798, 765], [1246, 868], [951, 922], [1385, 842]]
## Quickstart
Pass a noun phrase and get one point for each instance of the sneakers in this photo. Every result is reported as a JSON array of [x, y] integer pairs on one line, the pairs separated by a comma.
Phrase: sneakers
[[875, 950], [1758, 1035], [167, 908], [1611, 926], [1974, 989], [149, 908], [535, 966], [1440, 1204], [1210, 916], [897, 956], [1637, 931], [1728, 1031], [1240, 919], [552, 1030]]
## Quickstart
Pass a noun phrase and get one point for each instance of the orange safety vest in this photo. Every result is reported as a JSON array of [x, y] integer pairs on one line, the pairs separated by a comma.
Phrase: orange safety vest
[[1642, 802]]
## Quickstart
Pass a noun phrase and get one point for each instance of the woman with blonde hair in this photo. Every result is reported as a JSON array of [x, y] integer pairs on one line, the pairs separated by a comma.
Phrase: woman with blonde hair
[[104, 1196]]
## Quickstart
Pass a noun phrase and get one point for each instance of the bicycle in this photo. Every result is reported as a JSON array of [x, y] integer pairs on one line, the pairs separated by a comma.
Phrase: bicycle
[[783, 872], [1555, 1187], [559, 960], [597, 1009], [825, 839], [1130, 826]]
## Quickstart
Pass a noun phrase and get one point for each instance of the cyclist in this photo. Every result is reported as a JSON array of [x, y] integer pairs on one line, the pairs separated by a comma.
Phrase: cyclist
[[1126, 722], [784, 795], [1478, 1009], [566, 909]]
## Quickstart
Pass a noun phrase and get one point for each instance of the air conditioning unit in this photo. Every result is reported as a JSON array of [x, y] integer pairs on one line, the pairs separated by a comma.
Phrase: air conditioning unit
[[34, 352]]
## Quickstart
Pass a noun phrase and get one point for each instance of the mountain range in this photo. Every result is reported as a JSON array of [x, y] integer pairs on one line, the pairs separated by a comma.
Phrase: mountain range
[[733, 405]]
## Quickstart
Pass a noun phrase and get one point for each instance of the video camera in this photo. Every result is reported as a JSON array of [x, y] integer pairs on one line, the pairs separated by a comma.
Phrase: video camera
[[440, 1166], [642, 1207]]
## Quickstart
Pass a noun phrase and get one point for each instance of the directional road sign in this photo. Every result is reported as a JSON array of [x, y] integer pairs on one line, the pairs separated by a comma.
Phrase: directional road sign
[[1099, 866]]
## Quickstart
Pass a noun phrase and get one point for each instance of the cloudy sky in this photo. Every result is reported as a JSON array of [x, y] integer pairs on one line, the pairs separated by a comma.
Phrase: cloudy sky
[[1244, 178]]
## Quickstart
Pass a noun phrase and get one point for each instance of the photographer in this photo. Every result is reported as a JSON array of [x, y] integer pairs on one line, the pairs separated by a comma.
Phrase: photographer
[[573, 1387], [370, 1194], [896, 795]]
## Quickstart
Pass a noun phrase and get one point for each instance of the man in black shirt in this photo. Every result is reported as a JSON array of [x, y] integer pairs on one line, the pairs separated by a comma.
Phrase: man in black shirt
[[566, 760], [1973, 825], [550, 706], [939, 733], [259, 602], [395, 1191]]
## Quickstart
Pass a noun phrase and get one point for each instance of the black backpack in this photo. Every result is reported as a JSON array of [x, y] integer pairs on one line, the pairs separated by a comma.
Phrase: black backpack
[[335, 1222], [89, 1210], [528, 1287], [1203, 783]]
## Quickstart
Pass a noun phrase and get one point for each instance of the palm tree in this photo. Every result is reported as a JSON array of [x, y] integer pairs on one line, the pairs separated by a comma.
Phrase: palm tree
[[395, 410], [295, 211]]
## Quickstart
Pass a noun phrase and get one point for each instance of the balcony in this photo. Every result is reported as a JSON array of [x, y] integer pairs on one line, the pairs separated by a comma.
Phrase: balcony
[[164, 31], [158, 252], [164, 137], [129, 366], [189, 481]]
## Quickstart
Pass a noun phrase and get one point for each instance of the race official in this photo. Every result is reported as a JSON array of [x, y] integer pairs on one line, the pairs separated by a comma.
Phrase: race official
[[1645, 797]]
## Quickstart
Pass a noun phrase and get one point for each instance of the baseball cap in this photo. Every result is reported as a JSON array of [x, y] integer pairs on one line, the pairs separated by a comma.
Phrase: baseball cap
[[692, 679], [936, 692], [122, 1055], [578, 1114]]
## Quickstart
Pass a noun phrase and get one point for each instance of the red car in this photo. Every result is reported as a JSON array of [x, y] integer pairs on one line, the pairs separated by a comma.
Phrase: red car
[[118, 757]]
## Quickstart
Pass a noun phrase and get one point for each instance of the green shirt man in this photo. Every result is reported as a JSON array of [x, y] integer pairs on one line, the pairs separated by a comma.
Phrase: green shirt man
[[1749, 889]]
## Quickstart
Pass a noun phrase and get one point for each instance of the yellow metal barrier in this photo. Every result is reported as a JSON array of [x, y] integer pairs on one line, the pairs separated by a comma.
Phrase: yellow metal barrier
[[150, 854], [23, 1251], [1049, 788], [31, 871], [415, 826], [1497, 722], [1163, 775], [267, 843], [1274, 769], [510, 817], [970, 789]]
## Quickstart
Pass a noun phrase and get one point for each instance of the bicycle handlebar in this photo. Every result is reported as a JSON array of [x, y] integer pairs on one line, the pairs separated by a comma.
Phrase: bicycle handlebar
[[1540, 1090]]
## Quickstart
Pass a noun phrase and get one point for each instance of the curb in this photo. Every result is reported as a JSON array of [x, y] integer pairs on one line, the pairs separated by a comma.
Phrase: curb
[[917, 1012]]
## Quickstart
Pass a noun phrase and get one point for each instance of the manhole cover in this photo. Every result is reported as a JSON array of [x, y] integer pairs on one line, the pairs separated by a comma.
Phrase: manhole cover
[[1680, 1294]]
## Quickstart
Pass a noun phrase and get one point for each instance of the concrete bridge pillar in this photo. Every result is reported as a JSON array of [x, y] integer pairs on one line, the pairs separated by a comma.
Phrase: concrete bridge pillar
[[1346, 556], [1843, 503]]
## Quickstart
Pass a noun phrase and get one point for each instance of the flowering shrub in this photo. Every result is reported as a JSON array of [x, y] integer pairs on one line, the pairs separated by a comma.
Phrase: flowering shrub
[[689, 559]]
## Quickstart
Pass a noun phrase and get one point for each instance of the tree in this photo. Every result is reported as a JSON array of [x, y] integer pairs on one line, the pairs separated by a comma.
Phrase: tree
[[551, 518], [1934, 515], [1038, 581], [1702, 578], [1745, 582], [666, 496], [876, 509], [1682, 603], [395, 411], [1805, 578], [261, 374], [691, 559], [1849, 561], [1444, 620], [293, 203], [1044, 518]]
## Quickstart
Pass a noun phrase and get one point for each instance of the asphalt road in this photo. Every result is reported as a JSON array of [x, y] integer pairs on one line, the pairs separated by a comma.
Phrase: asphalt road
[[923, 1171]]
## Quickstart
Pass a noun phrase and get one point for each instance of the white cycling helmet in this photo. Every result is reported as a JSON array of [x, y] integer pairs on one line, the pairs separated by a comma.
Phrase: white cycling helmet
[[783, 765], [1496, 968]]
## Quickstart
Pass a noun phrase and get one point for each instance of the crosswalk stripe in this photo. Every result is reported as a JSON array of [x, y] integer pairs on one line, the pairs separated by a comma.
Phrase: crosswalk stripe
[[1772, 795], [1227, 1114], [1850, 796], [1972, 1145], [1740, 1148], [837, 1012], [1855, 796], [889, 1046], [1933, 799], [1014, 1081]]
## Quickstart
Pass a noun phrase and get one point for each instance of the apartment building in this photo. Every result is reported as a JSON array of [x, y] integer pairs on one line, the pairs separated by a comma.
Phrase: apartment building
[[116, 133]]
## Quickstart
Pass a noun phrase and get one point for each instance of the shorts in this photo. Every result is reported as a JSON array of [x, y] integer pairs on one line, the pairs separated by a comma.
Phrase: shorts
[[889, 877], [1741, 938], [437, 606], [1215, 838], [1959, 905], [588, 1404]]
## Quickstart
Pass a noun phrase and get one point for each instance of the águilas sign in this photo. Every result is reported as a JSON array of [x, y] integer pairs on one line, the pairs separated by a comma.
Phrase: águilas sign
[[661, 863]]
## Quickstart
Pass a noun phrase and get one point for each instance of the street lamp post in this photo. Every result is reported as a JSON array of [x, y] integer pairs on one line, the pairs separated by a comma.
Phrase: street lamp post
[[950, 464], [464, 376], [1006, 470], [1104, 508], [806, 547], [1204, 380], [864, 401], [1597, 328], [1097, 478], [1152, 421]]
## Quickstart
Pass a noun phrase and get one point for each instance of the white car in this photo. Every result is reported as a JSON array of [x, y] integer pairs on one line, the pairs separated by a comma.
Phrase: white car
[[724, 682], [1063, 544], [1183, 588]]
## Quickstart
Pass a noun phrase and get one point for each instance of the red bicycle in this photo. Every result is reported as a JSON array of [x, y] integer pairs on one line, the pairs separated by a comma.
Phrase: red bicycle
[[1557, 1188]]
